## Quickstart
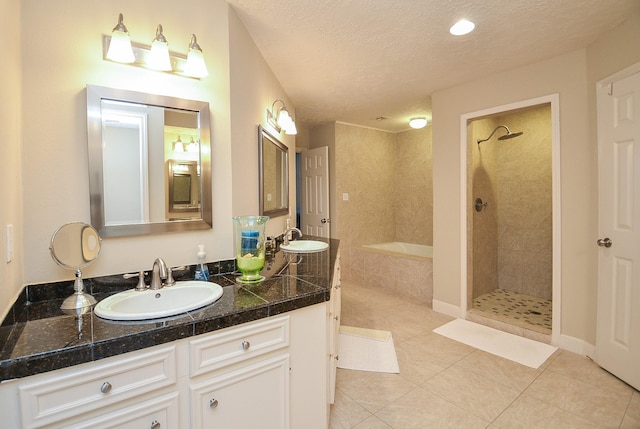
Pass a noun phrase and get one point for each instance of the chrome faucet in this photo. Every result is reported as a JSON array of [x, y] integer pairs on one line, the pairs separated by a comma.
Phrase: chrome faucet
[[159, 272], [285, 235]]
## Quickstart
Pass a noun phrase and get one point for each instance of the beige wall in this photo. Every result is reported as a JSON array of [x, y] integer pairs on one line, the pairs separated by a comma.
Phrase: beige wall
[[54, 69], [10, 152], [572, 76], [253, 88]]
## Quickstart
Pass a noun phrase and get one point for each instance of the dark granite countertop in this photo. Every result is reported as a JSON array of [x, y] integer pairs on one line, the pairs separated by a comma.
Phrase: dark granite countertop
[[36, 336]]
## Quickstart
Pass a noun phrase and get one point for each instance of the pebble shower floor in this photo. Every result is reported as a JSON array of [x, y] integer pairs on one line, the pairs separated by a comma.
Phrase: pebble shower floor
[[523, 310]]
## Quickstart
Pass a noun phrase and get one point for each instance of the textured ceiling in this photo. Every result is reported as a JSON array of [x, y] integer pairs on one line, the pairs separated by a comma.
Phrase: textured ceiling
[[358, 60]]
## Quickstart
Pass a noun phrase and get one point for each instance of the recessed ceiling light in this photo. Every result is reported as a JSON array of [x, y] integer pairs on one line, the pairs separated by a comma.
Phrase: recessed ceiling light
[[462, 27]]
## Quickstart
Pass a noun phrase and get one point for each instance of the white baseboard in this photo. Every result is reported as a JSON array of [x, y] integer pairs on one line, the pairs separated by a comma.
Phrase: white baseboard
[[446, 308], [575, 345]]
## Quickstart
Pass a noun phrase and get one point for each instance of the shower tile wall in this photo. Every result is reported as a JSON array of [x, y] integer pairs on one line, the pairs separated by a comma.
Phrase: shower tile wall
[[388, 178], [483, 231], [512, 237], [525, 198]]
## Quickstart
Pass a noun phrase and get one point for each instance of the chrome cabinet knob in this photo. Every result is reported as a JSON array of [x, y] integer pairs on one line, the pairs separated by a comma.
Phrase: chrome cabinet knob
[[246, 345], [605, 242], [106, 387], [155, 424], [213, 403]]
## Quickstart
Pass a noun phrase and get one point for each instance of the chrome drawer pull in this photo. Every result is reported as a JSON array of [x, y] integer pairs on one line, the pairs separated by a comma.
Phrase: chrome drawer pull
[[106, 387], [246, 345], [213, 403]]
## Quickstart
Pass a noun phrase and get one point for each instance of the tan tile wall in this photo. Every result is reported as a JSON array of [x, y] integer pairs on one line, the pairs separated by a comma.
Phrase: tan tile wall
[[525, 195], [483, 225], [388, 178], [365, 163], [414, 187]]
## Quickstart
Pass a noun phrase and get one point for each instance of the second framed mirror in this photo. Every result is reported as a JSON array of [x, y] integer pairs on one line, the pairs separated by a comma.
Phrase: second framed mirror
[[274, 175]]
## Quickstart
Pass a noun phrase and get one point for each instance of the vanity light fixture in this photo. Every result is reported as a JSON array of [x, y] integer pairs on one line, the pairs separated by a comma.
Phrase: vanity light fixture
[[159, 55], [119, 48], [462, 27], [280, 119], [193, 147], [418, 123], [178, 146], [195, 60]]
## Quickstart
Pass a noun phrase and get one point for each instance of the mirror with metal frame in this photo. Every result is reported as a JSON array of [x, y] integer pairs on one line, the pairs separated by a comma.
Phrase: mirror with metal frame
[[75, 245], [274, 175], [145, 150]]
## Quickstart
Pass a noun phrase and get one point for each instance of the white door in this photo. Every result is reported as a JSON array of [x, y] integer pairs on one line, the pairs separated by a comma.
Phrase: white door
[[314, 216], [618, 318]]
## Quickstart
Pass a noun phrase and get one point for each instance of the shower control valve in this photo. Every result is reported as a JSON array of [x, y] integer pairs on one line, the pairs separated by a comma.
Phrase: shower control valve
[[479, 205]]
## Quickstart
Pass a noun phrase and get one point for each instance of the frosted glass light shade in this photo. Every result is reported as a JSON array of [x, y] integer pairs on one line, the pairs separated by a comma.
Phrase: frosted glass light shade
[[291, 129], [159, 56], [120, 48], [418, 123]]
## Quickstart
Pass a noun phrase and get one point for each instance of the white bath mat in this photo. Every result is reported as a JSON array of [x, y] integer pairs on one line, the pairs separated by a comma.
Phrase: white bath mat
[[513, 347], [367, 350]]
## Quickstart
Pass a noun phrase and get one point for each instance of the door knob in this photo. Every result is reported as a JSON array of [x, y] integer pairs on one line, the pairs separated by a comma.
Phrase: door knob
[[325, 220], [604, 242]]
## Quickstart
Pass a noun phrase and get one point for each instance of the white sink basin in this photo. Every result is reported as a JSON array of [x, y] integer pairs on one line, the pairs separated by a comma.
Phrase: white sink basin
[[305, 246], [152, 304]]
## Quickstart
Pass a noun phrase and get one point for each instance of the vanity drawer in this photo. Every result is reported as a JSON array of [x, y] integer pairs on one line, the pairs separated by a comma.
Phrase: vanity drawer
[[77, 391], [233, 345], [161, 412]]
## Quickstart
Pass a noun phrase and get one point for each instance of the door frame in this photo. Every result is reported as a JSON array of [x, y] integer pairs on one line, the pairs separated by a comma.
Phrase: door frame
[[554, 101]]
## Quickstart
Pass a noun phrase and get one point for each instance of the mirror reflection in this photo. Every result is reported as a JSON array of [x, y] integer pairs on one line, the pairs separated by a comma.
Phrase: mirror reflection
[[149, 161], [274, 175]]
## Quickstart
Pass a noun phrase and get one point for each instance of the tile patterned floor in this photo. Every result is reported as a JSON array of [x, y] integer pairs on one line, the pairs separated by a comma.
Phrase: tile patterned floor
[[523, 310], [446, 384]]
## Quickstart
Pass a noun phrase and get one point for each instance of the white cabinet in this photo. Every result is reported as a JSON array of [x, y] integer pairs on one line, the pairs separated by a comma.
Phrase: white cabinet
[[240, 376], [115, 385], [334, 314], [251, 396], [270, 373]]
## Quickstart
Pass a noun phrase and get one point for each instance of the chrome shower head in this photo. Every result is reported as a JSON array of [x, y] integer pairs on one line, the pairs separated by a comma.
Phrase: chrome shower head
[[507, 136], [510, 135]]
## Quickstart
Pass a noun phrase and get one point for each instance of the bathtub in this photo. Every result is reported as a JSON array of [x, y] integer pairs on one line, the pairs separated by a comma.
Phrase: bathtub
[[404, 268], [408, 249]]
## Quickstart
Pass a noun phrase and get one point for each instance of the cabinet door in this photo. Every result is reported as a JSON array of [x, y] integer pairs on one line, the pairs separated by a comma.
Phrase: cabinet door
[[253, 396]]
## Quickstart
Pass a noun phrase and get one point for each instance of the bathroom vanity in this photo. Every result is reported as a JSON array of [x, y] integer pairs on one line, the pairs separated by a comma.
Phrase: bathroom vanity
[[263, 355]]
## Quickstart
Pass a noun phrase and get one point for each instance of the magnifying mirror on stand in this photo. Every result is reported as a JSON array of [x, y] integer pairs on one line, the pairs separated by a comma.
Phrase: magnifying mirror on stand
[[74, 246]]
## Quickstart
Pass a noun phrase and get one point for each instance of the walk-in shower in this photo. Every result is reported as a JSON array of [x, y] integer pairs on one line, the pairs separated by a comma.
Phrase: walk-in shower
[[509, 234], [507, 136]]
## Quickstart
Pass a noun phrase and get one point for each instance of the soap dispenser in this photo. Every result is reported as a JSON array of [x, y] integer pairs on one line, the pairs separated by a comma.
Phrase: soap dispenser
[[202, 270]]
